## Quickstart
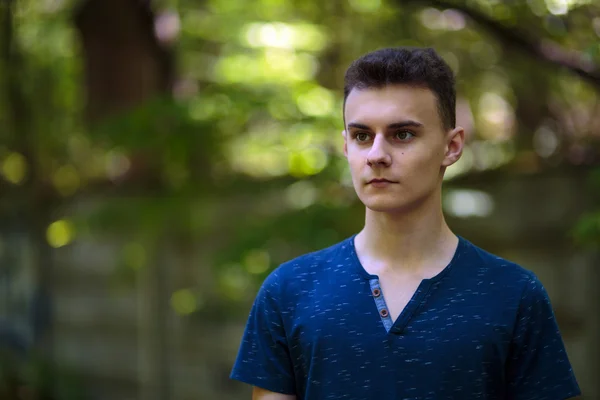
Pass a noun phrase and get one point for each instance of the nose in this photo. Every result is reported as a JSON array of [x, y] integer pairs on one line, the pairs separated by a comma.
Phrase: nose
[[378, 154]]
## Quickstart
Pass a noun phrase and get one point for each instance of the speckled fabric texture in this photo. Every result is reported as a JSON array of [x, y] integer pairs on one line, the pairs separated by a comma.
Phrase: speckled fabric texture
[[481, 329]]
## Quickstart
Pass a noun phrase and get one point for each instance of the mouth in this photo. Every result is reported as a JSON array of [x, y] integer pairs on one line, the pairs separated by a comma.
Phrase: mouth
[[380, 181]]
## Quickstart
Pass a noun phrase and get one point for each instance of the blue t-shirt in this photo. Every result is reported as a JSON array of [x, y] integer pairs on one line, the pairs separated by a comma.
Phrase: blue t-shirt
[[483, 328]]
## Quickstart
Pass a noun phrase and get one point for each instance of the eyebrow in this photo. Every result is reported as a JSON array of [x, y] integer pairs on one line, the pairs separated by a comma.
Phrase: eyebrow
[[395, 125]]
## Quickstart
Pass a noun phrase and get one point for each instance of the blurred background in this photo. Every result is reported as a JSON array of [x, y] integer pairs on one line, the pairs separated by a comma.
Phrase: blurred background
[[159, 158]]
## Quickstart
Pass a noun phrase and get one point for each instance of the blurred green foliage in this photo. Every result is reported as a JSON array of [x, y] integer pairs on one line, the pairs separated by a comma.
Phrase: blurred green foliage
[[244, 158]]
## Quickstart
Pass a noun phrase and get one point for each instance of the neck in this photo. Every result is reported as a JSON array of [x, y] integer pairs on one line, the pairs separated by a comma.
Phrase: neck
[[407, 240]]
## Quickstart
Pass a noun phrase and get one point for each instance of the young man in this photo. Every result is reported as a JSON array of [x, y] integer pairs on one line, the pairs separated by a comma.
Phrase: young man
[[405, 309]]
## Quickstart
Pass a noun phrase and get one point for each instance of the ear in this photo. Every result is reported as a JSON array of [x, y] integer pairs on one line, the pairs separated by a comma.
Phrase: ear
[[454, 146], [345, 143]]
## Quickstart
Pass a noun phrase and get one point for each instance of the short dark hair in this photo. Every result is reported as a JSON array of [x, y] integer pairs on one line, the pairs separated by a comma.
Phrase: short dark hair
[[412, 66]]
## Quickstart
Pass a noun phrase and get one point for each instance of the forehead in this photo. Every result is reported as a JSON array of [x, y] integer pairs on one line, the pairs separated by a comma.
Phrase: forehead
[[391, 103]]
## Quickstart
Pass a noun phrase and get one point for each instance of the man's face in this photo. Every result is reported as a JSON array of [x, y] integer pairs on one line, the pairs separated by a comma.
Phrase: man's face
[[396, 146]]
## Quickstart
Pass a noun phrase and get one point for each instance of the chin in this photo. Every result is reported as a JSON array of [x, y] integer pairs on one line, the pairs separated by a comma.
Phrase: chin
[[384, 205], [384, 208], [391, 204]]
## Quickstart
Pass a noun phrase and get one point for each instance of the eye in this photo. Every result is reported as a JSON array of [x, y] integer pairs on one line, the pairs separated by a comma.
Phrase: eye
[[404, 135], [361, 136]]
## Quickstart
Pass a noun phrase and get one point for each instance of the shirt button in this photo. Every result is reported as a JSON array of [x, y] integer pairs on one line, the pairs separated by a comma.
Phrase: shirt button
[[376, 292], [383, 313]]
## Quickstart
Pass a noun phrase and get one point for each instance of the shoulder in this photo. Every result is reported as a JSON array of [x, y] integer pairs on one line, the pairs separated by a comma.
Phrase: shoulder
[[301, 272], [496, 275], [498, 269], [310, 264]]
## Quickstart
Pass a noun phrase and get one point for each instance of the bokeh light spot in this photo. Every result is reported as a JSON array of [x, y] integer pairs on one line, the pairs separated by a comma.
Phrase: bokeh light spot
[[301, 194], [281, 35], [66, 180], [14, 168], [307, 162], [183, 302], [316, 102], [257, 261], [233, 282], [545, 141], [60, 233], [465, 203], [116, 164]]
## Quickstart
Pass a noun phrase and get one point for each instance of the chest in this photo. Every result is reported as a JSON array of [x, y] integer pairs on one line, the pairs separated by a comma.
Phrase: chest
[[341, 346], [395, 293], [429, 324]]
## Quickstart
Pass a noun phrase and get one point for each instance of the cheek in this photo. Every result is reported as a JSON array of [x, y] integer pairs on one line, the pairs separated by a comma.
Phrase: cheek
[[432, 156], [355, 160], [420, 165]]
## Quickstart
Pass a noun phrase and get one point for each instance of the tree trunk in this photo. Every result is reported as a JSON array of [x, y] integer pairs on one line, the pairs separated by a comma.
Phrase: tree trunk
[[124, 62]]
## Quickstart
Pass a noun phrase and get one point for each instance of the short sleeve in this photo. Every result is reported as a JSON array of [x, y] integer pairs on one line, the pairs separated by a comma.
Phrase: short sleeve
[[263, 359], [538, 367]]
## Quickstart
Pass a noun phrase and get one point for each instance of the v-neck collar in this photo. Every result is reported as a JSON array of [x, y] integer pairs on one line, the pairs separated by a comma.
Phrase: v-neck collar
[[418, 297]]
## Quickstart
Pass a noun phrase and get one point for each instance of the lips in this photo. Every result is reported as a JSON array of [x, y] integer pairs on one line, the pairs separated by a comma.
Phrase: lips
[[380, 181]]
